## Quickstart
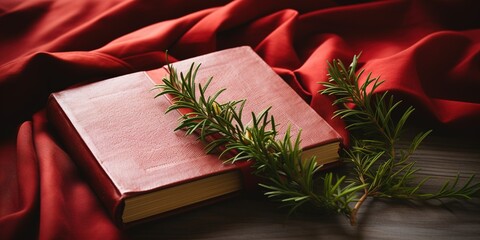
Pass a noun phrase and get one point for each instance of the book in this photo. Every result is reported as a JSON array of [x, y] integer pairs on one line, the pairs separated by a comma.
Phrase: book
[[244, 75], [124, 143], [125, 146]]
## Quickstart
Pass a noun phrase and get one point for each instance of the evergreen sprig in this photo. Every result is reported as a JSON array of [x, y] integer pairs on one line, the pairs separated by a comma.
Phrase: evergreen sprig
[[379, 168], [378, 162], [287, 177]]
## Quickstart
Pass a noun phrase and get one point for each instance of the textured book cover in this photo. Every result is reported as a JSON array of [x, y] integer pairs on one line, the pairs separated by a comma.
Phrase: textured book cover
[[121, 138]]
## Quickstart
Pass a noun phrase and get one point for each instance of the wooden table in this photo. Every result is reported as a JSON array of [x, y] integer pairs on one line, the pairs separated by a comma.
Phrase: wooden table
[[254, 217]]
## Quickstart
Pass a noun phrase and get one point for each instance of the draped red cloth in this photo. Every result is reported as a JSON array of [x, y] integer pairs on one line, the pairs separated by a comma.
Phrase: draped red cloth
[[426, 51]]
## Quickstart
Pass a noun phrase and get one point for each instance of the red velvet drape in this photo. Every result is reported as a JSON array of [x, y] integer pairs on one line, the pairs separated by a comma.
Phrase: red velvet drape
[[426, 51]]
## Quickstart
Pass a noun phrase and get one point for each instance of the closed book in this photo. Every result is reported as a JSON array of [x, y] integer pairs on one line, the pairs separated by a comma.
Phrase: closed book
[[244, 75], [124, 143], [121, 138]]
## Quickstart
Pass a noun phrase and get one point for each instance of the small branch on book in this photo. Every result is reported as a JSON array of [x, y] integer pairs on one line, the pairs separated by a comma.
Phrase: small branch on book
[[277, 160]]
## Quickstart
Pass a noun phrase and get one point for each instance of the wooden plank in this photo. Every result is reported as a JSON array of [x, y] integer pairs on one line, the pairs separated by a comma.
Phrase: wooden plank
[[253, 217]]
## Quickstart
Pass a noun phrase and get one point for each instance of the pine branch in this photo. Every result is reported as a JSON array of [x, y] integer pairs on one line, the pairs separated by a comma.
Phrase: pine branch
[[276, 159], [384, 169]]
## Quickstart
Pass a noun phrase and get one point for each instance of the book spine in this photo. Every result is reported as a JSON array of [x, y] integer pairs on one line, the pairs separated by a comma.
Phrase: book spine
[[85, 160]]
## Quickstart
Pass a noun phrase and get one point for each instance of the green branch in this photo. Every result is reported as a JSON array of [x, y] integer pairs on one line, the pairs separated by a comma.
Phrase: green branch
[[276, 159], [377, 161]]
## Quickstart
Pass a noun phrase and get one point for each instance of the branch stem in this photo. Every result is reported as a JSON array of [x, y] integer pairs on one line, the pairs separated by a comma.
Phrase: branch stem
[[353, 215]]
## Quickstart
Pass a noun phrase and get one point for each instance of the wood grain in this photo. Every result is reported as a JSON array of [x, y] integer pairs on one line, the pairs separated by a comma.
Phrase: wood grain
[[442, 156]]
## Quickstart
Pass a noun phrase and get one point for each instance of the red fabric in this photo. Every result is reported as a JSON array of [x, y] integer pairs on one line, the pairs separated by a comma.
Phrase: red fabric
[[427, 51]]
